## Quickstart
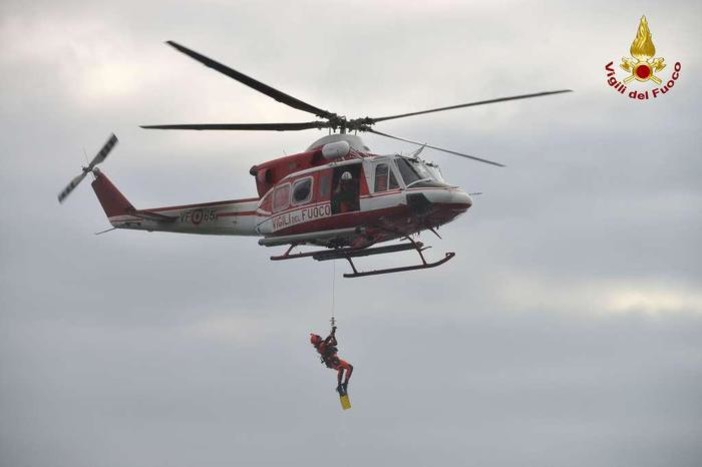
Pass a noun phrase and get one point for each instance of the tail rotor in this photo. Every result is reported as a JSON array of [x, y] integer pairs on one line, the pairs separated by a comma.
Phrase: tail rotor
[[98, 159]]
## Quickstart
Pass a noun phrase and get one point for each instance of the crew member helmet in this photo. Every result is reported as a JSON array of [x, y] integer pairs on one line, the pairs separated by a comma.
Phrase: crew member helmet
[[315, 339]]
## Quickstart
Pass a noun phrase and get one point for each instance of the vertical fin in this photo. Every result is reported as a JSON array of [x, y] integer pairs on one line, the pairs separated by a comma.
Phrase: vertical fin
[[113, 202]]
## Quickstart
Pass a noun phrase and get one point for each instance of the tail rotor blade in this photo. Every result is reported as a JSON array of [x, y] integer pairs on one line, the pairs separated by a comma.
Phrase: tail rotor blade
[[102, 155], [99, 158], [71, 186]]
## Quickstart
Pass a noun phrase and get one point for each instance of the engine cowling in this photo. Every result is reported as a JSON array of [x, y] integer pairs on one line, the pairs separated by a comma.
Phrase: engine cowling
[[336, 150]]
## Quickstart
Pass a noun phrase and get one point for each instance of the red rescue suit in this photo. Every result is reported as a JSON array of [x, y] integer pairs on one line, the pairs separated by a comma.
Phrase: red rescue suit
[[328, 353]]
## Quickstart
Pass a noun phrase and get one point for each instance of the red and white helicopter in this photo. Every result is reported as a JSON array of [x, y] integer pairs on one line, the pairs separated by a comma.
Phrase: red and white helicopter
[[337, 194]]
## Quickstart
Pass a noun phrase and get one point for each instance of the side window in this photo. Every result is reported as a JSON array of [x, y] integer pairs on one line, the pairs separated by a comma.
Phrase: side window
[[381, 178], [281, 198], [302, 191]]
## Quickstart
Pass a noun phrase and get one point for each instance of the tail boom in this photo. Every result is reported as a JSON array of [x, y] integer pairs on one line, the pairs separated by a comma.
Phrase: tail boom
[[231, 217]]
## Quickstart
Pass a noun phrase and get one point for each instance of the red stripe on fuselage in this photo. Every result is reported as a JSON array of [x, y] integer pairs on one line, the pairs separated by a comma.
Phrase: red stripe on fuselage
[[203, 205], [241, 213]]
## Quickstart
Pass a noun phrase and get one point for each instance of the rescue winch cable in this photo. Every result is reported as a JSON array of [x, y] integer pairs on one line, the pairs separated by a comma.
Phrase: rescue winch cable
[[333, 294]]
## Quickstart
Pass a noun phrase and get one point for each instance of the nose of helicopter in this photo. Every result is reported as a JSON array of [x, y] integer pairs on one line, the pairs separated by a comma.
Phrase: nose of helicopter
[[454, 203], [461, 200], [442, 203], [455, 200]]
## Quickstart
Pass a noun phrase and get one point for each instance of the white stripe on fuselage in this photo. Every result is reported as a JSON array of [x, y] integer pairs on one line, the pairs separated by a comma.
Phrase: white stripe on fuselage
[[237, 218]]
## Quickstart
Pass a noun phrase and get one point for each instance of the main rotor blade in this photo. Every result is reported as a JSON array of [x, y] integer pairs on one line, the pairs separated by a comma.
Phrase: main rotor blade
[[486, 161], [252, 83], [470, 104], [241, 126]]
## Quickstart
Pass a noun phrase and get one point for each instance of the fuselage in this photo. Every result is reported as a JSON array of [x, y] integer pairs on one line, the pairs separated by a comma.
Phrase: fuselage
[[388, 196]]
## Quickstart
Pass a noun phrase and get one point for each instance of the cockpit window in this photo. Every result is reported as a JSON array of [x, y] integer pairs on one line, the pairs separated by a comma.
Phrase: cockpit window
[[385, 178]]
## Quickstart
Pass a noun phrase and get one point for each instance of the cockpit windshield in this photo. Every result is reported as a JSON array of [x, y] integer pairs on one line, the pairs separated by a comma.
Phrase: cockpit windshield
[[408, 172], [436, 172], [415, 171]]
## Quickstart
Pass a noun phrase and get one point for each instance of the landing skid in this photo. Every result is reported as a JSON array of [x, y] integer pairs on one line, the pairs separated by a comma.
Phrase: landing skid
[[376, 272], [349, 253]]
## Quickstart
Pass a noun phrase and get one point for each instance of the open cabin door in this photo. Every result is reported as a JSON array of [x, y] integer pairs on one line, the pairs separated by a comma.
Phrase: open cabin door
[[346, 188]]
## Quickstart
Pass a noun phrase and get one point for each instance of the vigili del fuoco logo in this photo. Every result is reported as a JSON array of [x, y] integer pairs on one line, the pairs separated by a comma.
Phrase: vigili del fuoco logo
[[642, 67]]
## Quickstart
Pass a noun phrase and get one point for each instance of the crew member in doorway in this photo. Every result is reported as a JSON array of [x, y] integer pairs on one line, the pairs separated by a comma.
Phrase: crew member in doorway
[[346, 194], [327, 349]]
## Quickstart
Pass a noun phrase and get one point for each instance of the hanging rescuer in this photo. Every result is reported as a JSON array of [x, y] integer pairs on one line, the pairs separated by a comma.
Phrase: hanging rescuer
[[327, 349]]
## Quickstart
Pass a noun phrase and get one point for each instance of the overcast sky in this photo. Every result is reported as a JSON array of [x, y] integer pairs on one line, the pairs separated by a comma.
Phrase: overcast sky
[[567, 330]]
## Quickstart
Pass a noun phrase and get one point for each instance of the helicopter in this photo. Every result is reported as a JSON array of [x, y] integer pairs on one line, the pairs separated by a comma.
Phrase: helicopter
[[337, 195]]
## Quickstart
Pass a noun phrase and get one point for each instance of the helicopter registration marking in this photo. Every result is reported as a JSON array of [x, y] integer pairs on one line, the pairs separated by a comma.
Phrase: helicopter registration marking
[[197, 216], [300, 216]]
